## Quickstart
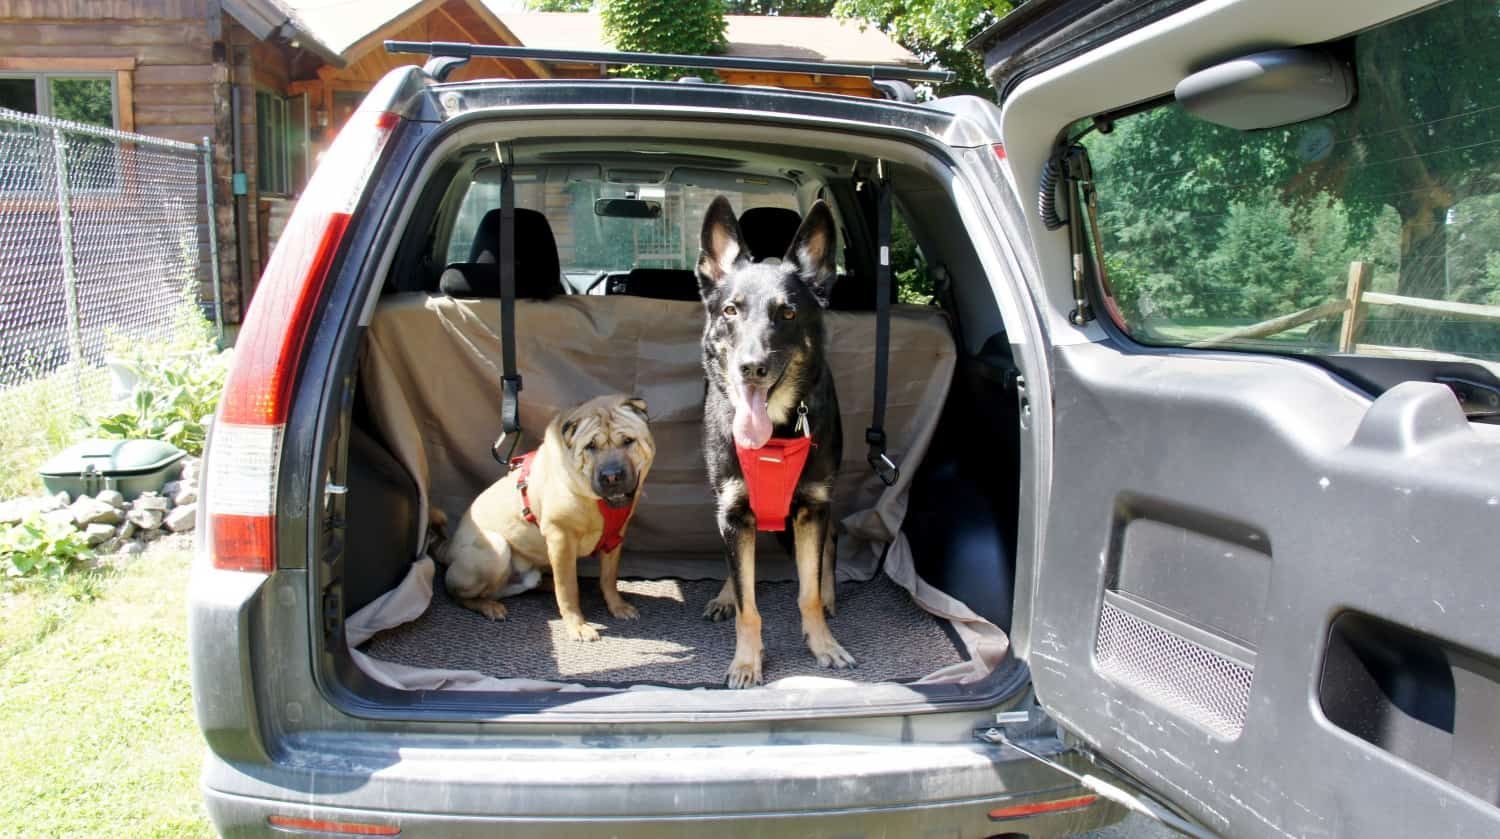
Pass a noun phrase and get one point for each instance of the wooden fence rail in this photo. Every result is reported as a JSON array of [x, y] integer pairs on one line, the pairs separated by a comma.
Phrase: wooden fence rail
[[1353, 308]]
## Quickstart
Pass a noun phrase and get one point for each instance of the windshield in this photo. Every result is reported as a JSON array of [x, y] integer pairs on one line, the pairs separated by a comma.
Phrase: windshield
[[588, 243]]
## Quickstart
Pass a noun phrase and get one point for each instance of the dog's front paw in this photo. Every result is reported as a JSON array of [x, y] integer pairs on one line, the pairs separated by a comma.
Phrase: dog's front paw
[[829, 652], [719, 608], [492, 609], [579, 631], [621, 608], [744, 673]]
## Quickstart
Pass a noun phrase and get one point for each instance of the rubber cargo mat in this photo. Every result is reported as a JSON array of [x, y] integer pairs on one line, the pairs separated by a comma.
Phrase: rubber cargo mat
[[671, 643]]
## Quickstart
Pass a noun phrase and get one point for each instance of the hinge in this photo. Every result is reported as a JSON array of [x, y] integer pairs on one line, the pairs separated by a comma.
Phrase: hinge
[[1016, 731]]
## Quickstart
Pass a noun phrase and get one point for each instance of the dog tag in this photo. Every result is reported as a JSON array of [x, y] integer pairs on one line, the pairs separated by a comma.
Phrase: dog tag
[[802, 426]]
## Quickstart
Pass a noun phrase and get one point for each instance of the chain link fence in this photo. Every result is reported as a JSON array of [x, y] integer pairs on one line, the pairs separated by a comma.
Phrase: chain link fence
[[105, 242]]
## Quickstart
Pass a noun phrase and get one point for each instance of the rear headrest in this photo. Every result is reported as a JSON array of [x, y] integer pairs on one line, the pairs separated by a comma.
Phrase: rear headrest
[[658, 283], [538, 271], [769, 231]]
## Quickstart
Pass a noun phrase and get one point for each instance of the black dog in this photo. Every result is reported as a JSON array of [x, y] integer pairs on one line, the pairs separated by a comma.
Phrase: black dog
[[763, 352]]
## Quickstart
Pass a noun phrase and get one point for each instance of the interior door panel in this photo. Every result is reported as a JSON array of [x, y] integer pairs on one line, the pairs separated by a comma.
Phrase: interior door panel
[[1271, 599]]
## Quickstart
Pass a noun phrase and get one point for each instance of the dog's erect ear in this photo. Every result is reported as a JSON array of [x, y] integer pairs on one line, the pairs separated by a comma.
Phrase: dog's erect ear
[[723, 246], [811, 252], [638, 405]]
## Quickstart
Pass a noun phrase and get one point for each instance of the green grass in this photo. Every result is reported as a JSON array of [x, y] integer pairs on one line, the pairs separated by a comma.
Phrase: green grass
[[38, 419], [96, 708]]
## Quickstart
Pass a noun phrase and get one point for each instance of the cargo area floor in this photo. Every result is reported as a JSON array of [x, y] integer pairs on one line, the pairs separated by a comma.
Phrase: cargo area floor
[[671, 644]]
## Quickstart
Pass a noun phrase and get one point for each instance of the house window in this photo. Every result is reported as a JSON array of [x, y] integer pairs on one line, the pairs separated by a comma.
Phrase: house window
[[77, 97], [273, 166]]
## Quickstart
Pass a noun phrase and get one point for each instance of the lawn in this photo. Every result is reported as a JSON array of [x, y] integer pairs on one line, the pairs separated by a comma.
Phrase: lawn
[[96, 706]]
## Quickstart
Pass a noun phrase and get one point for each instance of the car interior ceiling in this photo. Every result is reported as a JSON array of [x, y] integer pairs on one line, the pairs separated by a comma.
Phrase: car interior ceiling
[[961, 518]]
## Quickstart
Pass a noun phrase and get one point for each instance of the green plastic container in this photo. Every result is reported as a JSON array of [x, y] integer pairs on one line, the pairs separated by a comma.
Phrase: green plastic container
[[130, 467]]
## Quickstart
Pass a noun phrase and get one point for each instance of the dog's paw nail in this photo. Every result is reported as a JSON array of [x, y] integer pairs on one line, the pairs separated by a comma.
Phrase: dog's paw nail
[[625, 611], [582, 632], [493, 611], [743, 675], [834, 656]]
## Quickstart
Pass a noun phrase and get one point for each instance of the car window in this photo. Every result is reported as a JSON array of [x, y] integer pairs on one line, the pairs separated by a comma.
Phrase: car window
[[588, 243], [1262, 239]]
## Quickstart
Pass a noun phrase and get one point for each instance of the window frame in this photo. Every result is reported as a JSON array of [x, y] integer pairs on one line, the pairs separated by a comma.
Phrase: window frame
[[282, 154], [40, 79]]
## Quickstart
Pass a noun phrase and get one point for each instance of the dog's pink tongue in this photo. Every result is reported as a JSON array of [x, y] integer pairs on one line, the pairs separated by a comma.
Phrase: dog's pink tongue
[[752, 422]]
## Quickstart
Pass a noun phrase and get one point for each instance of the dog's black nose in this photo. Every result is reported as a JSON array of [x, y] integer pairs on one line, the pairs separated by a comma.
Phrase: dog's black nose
[[611, 476], [754, 370]]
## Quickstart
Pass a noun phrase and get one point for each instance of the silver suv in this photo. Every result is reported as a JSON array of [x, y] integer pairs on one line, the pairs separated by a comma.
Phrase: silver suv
[[1192, 348]]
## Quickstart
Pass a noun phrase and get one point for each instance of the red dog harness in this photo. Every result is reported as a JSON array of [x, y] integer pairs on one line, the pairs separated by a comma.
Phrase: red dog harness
[[614, 517], [772, 472]]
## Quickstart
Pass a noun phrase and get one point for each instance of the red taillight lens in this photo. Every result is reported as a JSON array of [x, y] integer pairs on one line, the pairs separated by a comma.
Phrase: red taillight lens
[[999, 151], [245, 451]]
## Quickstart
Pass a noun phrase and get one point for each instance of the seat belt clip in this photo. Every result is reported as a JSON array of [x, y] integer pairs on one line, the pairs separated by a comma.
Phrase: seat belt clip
[[879, 461], [510, 421]]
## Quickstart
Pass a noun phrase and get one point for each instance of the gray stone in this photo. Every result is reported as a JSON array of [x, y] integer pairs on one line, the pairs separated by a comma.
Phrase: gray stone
[[12, 512], [190, 465], [113, 498], [48, 503], [151, 501], [150, 535], [110, 546], [127, 530], [87, 511], [183, 518], [98, 534], [145, 519], [63, 516], [170, 488], [133, 547], [188, 494]]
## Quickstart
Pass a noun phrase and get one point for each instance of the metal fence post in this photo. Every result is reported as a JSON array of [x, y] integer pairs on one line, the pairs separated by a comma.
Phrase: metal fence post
[[213, 234], [70, 275]]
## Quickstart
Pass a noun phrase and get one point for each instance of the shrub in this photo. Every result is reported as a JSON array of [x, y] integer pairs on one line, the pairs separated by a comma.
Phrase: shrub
[[41, 549], [173, 401]]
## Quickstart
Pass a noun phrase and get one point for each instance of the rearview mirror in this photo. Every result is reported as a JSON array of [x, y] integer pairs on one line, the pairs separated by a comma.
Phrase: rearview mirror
[[1267, 89], [627, 208]]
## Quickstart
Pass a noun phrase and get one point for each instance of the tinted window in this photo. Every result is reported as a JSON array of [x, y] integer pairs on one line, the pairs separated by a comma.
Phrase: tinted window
[[1211, 232]]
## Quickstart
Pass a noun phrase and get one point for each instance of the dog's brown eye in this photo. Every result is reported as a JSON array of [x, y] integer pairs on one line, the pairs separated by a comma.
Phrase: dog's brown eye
[[592, 447], [787, 312], [625, 441], [730, 311]]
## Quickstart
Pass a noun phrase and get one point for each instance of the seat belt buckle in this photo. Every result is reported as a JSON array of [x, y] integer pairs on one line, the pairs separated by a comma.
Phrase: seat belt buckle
[[510, 421], [884, 467]]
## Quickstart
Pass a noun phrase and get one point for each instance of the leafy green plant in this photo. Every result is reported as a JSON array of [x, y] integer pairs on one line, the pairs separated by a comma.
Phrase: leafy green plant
[[682, 27], [41, 549], [173, 401]]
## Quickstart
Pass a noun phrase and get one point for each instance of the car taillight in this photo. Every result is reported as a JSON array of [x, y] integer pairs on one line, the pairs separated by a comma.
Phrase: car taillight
[[245, 450]]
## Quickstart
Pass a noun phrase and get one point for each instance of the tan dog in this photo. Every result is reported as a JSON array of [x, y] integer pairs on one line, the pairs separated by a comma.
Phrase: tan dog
[[589, 469]]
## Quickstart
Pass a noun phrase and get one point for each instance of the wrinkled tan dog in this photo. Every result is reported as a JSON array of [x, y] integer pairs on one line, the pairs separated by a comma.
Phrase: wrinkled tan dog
[[572, 497]]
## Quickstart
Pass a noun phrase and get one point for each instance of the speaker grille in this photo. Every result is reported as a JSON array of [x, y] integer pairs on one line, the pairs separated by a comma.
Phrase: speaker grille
[[1187, 678]]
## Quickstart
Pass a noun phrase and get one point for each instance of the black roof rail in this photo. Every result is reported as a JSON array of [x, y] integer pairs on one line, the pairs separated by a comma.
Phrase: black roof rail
[[459, 50]]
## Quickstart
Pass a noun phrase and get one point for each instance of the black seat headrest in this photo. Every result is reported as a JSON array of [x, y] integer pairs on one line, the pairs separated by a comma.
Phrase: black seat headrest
[[657, 283], [769, 231], [538, 270]]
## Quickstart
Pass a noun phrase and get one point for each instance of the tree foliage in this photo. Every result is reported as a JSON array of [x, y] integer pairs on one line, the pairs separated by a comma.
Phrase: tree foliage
[[783, 8], [936, 31], [559, 5], [686, 27]]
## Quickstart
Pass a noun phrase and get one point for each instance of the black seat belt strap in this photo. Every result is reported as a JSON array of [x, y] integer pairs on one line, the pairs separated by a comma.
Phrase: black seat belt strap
[[510, 380], [875, 434]]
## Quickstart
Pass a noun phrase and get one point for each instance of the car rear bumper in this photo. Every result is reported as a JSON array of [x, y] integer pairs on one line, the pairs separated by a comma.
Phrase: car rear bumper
[[846, 791]]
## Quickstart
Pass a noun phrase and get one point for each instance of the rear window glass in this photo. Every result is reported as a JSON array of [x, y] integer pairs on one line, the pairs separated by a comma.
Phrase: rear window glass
[[588, 243], [1375, 230]]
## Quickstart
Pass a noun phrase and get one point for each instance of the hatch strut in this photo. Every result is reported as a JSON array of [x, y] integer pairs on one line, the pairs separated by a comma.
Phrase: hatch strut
[[1134, 802], [455, 49]]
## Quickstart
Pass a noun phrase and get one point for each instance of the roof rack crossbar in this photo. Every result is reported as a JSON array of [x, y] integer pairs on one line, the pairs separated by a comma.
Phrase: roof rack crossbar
[[708, 62]]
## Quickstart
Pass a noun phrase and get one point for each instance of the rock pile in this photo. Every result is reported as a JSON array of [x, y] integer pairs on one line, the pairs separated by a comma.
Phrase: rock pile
[[112, 524]]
